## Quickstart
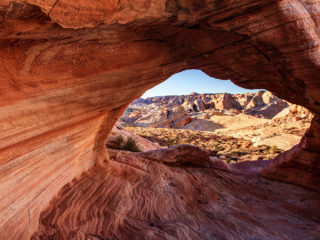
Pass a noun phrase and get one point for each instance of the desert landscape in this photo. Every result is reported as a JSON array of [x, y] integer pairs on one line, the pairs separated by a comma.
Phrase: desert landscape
[[239, 127], [70, 169]]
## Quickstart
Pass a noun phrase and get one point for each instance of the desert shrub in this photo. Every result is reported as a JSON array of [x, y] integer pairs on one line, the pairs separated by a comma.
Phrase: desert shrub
[[274, 150], [119, 141], [131, 145], [171, 142], [234, 159]]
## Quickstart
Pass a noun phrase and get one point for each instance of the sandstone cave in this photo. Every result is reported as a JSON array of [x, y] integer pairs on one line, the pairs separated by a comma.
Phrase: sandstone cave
[[70, 68]]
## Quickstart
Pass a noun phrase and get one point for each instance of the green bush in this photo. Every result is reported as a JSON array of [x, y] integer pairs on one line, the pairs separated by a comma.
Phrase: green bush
[[119, 141], [131, 145]]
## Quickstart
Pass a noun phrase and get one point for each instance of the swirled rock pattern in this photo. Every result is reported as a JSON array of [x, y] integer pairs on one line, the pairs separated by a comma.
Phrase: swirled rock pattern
[[69, 69], [138, 197]]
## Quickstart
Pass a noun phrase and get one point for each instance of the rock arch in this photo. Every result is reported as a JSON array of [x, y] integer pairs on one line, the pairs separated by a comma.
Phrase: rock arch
[[69, 68]]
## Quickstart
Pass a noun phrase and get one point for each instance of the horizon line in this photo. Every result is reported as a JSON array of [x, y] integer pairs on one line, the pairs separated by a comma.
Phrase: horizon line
[[195, 93]]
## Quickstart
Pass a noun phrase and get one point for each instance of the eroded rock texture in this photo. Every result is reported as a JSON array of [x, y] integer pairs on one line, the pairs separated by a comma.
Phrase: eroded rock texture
[[69, 68], [301, 164], [138, 197]]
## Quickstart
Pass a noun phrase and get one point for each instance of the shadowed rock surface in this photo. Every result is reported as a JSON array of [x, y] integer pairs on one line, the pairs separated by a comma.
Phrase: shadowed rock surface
[[70, 68], [136, 197]]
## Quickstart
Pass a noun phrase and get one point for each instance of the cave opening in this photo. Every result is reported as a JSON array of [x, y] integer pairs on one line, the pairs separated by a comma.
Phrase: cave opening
[[234, 124], [70, 68]]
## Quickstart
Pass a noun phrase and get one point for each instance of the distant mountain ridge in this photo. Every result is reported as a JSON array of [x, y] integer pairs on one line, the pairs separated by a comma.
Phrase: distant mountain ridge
[[255, 104], [178, 111]]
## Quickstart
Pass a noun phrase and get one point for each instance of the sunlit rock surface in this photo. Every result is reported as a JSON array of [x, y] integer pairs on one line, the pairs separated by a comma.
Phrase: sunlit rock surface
[[301, 164], [178, 111], [69, 69]]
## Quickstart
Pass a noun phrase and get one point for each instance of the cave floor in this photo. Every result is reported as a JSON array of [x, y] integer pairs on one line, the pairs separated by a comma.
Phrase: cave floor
[[133, 198]]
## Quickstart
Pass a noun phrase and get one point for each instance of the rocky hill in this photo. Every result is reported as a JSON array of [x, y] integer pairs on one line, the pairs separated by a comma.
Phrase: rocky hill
[[181, 111], [260, 117]]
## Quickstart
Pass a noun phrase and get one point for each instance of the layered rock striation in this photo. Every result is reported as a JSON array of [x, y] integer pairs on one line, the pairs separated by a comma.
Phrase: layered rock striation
[[70, 68], [149, 196]]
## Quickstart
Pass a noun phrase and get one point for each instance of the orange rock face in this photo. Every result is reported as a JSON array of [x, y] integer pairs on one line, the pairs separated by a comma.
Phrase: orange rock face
[[69, 69]]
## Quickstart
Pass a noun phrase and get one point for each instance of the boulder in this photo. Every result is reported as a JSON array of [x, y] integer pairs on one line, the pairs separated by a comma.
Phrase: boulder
[[119, 136]]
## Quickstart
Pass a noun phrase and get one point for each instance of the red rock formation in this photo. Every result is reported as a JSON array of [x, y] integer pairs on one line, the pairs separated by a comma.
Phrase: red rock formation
[[178, 117], [69, 68], [226, 101], [301, 164], [137, 197], [177, 111]]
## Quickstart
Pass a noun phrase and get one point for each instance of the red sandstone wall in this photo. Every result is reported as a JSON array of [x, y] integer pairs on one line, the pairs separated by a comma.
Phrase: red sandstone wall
[[68, 69]]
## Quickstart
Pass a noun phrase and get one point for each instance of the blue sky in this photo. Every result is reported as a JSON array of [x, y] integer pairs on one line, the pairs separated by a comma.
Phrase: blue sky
[[189, 81]]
